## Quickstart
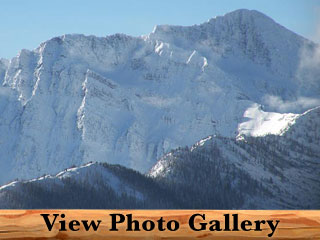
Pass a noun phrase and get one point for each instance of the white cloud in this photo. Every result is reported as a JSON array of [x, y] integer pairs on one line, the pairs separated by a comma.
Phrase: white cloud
[[308, 71], [300, 104]]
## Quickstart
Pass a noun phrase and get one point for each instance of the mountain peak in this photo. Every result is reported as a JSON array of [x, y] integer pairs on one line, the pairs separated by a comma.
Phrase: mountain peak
[[241, 17], [239, 23], [247, 12], [172, 88], [239, 14]]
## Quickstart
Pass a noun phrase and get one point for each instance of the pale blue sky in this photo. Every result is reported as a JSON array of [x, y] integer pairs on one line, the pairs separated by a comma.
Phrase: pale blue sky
[[27, 23]]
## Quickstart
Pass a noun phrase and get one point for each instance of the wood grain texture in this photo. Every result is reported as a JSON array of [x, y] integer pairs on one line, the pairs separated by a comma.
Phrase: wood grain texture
[[28, 224]]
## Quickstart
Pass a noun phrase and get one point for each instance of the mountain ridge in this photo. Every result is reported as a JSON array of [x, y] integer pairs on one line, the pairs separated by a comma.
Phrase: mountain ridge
[[268, 172], [129, 100]]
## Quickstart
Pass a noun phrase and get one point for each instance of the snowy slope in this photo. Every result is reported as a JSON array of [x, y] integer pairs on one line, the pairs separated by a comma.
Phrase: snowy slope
[[261, 123], [90, 186], [129, 100], [93, 175], [269, 172], [266, 172]]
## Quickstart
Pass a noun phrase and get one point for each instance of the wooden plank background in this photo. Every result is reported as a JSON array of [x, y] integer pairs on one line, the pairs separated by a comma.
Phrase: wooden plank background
[[28, 224]]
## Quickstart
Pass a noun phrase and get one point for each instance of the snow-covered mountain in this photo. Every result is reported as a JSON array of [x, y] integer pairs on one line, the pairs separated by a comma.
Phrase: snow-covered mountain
[[94, 185], [269, 172], [129, 100]]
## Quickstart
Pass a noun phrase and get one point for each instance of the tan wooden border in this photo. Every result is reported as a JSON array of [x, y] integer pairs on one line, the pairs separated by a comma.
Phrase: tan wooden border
[[28, 224]]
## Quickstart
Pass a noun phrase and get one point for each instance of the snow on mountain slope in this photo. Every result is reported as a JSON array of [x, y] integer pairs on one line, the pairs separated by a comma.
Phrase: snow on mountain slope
[[128, 100], [98, 174], [269, 172], [91, 186], [261, 123], [244, 33]]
